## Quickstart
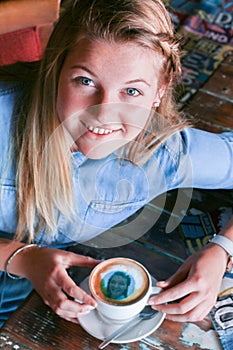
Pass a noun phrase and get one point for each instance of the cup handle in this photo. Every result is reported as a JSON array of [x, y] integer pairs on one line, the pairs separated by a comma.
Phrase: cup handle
[[155, 290]]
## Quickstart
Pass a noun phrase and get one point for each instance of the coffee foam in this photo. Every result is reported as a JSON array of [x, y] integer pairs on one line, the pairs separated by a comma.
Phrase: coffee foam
[[120, 281]]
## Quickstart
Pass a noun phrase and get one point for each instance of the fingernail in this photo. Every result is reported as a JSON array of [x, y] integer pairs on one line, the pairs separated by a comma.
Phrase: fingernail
[[78, 301], [89, 307]]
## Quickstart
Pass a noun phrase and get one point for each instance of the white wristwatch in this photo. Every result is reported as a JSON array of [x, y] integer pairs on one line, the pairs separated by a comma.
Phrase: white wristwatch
[[227, 245]]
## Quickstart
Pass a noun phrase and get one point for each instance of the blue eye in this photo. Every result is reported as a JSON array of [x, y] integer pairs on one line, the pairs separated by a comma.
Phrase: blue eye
[[132, 92], [85, 81]]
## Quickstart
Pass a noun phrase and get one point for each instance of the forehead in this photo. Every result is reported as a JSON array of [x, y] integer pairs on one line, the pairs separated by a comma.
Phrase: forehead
[[118, 55]]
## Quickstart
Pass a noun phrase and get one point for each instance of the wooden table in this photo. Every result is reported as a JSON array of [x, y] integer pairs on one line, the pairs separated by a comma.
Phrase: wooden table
[[35, 326], [212, 105]]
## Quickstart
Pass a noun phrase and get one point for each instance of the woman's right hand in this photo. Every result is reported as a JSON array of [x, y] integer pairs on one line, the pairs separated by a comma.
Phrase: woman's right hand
[[46, 268], [190, 294]]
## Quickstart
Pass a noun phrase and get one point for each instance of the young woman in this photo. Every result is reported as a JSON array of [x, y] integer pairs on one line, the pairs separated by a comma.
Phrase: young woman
[[118, 285], [93, 139]]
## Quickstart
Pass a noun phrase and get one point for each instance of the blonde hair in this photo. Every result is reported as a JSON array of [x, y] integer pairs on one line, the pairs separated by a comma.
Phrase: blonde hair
[[44, 171]]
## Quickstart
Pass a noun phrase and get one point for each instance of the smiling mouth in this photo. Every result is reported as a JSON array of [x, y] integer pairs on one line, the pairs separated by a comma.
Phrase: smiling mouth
[[99, 131]]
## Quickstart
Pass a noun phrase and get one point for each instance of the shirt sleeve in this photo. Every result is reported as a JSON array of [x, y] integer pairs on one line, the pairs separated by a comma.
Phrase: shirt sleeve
[[205, 160]]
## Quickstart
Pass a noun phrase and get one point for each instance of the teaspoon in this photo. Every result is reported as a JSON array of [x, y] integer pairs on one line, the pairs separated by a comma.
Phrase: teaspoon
[[145, 314]]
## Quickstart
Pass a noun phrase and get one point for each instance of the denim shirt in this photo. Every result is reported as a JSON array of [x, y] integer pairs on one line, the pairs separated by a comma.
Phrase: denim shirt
[[108, 191]]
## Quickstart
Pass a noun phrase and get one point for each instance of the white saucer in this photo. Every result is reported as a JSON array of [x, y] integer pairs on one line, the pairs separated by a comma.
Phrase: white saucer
[[100, 329]]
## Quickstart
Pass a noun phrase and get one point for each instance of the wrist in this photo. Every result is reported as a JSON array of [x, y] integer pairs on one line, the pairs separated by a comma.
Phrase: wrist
[[10, 262], [227, 245]]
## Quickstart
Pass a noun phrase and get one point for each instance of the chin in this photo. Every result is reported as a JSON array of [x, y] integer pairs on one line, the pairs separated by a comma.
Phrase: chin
[[100, 151]]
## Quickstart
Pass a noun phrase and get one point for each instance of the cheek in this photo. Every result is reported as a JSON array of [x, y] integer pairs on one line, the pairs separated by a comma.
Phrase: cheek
[[135, 118], [70, 103], [63, 103]]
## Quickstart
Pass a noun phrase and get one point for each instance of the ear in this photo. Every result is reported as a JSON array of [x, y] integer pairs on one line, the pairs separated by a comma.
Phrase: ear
[[159, 95]]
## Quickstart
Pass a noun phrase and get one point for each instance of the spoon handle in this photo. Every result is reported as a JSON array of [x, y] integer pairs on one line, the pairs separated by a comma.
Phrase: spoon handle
[[120, 331]]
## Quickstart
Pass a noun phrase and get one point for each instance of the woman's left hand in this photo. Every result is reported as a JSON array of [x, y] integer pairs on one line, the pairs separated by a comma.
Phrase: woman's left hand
[[46, 268], [191, 292]]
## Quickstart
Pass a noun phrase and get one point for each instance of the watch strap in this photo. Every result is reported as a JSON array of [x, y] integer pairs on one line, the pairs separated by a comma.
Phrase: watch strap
[[223, 242]]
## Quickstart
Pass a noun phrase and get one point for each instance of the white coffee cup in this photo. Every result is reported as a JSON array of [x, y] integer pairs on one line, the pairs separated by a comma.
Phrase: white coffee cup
[[121, 287]]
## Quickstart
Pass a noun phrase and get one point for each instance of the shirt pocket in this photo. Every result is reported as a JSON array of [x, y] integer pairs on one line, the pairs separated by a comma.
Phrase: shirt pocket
[[104, 215], [97, 217], [8, 212]]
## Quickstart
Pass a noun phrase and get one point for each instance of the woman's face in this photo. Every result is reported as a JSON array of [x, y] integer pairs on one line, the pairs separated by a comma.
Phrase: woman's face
[[117, 286], [105, 94]]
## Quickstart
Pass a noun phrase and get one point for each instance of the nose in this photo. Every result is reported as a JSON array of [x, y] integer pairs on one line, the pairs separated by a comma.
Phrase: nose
[[104, 112], [106, 96], [106, 107]]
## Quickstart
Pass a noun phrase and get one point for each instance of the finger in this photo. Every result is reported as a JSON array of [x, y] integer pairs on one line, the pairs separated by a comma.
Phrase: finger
[[181, 307], [67, 308], [172, 294], [73, 259], [72, 308], [175, 279], [87, 261], [52, 295], [73, 320], [196, 314], [77, 293], [61, 293], [70, 288], [192, 308], [162, 284]]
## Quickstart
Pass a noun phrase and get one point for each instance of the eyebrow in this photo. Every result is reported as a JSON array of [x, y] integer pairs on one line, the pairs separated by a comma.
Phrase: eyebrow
[[83, 68], [138, 81]]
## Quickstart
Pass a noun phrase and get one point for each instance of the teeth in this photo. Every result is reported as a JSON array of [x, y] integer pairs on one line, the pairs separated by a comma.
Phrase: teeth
[[99, 131]]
